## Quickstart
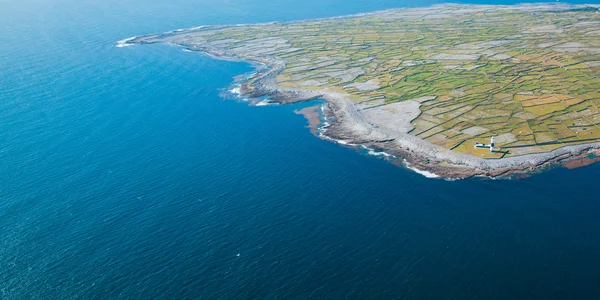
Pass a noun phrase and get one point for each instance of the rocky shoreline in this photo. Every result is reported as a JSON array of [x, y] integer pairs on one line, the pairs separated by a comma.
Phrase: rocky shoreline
[[347, 124]]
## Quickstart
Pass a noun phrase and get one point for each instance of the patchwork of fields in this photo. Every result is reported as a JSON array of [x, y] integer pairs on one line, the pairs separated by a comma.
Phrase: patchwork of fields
[[452, 75]]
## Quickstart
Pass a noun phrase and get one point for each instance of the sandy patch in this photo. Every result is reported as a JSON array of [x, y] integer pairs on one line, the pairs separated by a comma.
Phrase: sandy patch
[[447, 56], [592, 64], [370, 85], [395, 116], [544, 29], [311, 82], [504, 139], [475, 130]]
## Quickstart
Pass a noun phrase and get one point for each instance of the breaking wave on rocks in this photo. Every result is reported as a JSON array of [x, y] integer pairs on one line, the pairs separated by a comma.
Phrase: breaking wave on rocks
[[422, 172], [125, 42]]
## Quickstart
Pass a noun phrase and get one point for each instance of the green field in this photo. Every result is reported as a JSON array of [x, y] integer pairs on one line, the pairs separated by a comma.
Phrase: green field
[[525, 74]]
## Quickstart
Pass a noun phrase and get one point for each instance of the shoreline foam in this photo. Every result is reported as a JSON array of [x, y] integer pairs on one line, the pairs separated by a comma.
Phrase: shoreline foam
[[347, 126], [126, 42], [424, 157]]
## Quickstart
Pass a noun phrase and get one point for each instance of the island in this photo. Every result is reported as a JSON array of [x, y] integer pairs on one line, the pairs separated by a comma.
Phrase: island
[[451, 90]]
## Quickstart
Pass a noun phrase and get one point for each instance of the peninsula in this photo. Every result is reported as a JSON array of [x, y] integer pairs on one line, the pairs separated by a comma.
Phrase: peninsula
[[427, 85]]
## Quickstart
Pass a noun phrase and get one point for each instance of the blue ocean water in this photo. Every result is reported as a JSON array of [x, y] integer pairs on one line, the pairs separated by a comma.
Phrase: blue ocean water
[[124, 174]]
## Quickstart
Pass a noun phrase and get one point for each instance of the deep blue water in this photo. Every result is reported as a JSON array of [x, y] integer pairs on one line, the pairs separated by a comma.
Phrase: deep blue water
[[124, 174]]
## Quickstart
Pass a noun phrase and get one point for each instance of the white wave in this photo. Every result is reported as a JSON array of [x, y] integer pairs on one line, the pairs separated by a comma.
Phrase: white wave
[[382, 153], [125, 42], [376, 153], [235, 90], [425, 173], [371, 152], [264, 103], [341, 142], [422, 172], [187, 50]]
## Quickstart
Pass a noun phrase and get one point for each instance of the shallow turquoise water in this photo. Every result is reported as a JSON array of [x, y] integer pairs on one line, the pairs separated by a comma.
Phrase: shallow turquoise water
[[124, 174]]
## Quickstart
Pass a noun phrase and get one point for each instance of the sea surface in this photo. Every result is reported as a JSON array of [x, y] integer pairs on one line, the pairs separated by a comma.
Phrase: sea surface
[[125, 174]]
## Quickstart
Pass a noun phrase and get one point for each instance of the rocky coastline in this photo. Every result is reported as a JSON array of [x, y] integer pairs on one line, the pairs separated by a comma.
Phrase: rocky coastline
[[347, 124]]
